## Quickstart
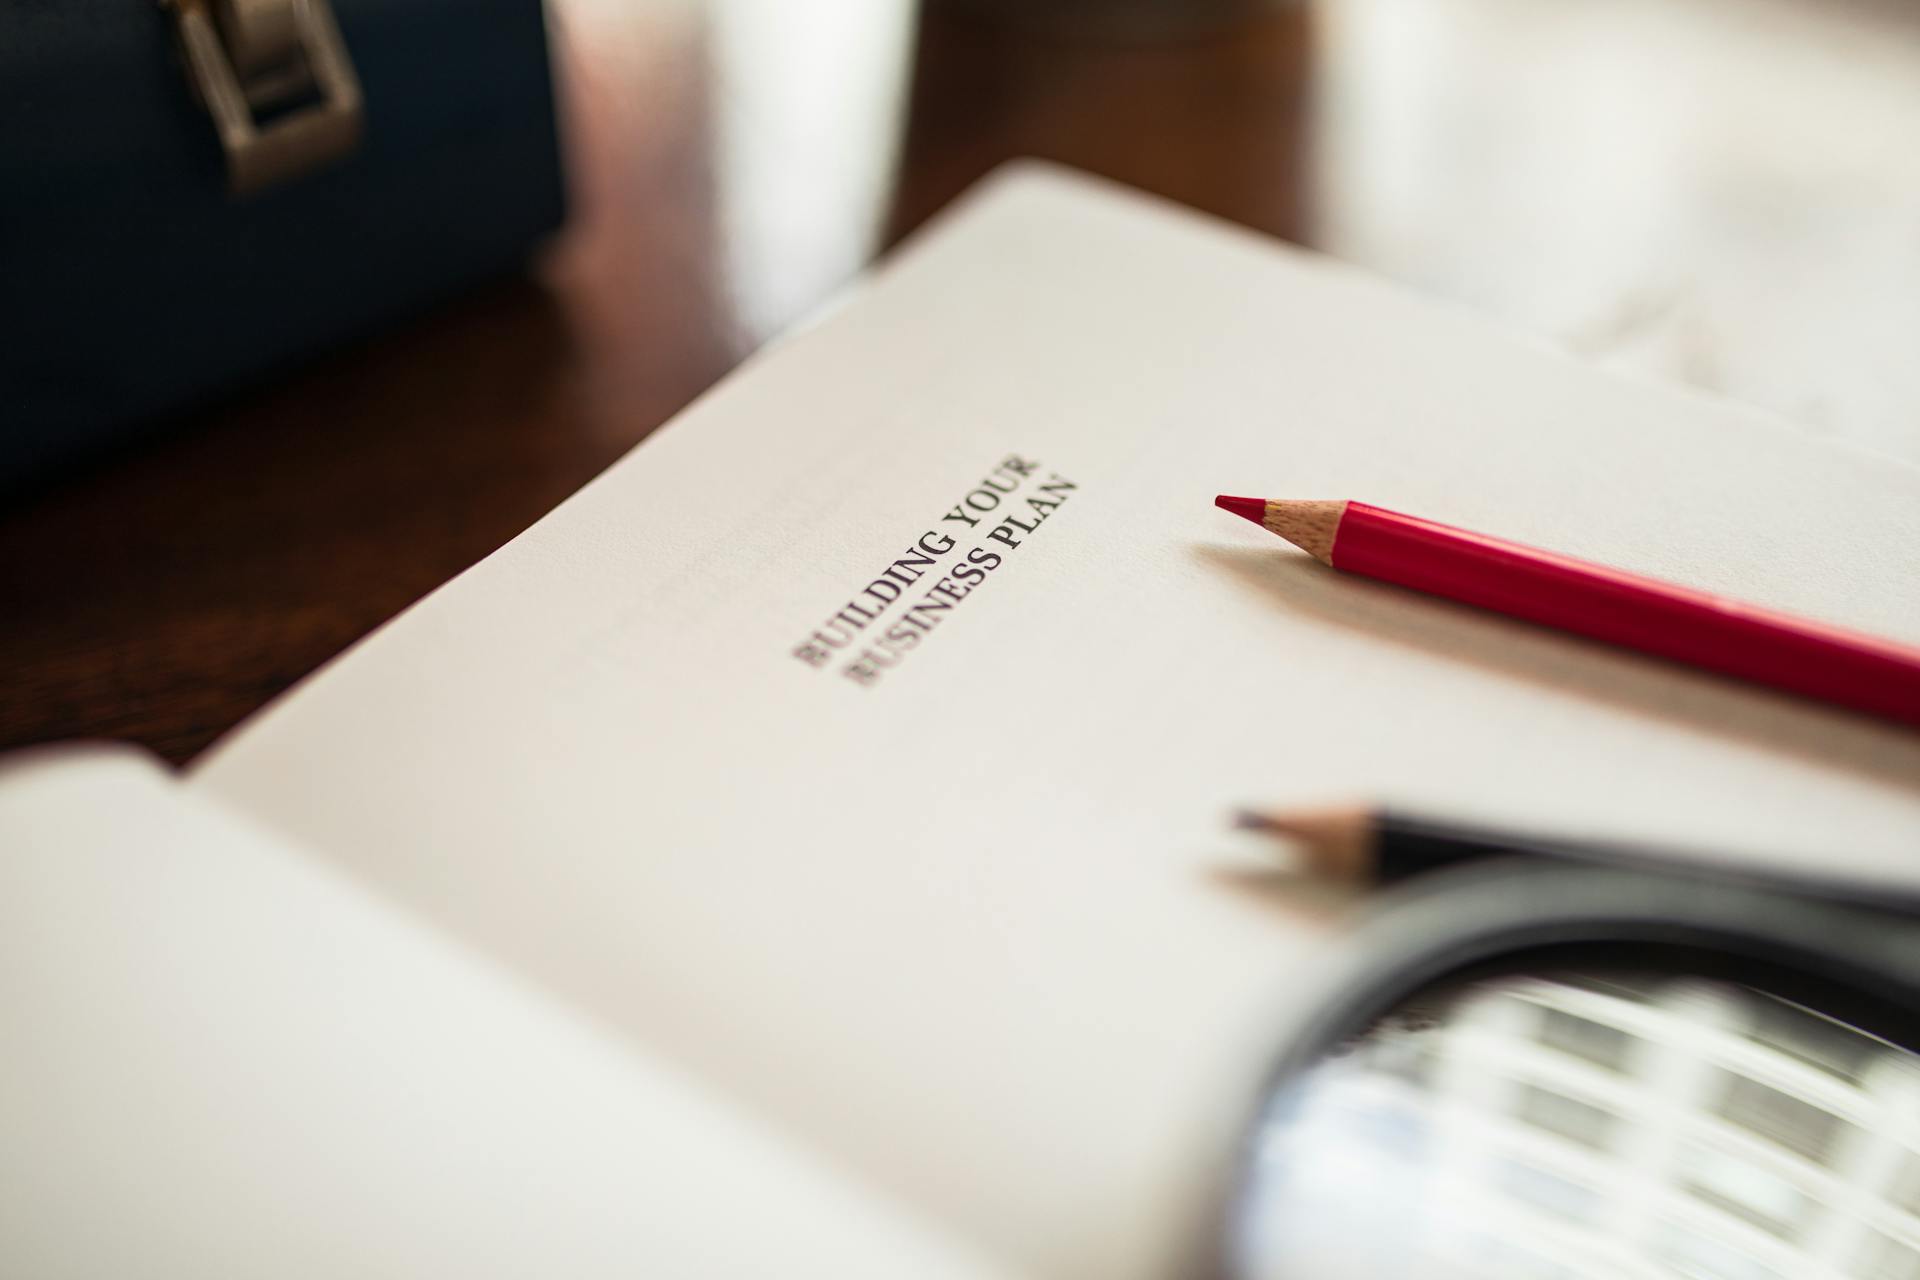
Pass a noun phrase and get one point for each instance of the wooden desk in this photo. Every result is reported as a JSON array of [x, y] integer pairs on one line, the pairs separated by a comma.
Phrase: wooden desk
[[728, 174]]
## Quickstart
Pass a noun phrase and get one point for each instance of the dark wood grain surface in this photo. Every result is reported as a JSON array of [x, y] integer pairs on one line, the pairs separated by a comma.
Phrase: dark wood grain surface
[[726, 177]]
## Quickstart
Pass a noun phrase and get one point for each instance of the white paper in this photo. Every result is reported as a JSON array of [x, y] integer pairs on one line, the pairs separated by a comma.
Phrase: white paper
[[975, 930], [223, 1060]]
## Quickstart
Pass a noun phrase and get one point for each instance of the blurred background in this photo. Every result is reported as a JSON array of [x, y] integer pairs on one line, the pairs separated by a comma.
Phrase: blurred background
[[1722, 193]]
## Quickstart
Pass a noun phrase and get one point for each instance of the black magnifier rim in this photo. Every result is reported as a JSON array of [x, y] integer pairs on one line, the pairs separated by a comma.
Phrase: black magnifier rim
[[1856, 964]]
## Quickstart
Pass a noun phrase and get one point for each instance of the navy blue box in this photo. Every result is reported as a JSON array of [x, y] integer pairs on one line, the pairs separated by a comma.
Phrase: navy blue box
[[133, 285]]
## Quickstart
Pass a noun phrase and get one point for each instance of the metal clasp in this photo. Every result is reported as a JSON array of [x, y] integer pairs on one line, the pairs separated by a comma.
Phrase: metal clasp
[[276, 79]]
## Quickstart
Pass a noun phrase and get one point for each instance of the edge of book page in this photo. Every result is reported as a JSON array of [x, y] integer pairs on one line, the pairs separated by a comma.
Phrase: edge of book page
[[232, 1051]]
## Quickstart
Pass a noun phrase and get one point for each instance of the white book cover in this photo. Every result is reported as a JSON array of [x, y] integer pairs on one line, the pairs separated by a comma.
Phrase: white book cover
[[860, 746]]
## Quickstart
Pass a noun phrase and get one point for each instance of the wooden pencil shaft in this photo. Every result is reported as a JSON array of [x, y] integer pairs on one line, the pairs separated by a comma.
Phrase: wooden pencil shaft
[[1308, 525]]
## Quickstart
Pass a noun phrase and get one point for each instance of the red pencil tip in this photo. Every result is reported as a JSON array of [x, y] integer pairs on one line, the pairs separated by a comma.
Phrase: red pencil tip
[[1254, 509]]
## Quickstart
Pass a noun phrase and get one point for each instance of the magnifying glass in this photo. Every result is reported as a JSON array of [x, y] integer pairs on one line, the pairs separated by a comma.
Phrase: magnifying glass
[[1526, 1072]]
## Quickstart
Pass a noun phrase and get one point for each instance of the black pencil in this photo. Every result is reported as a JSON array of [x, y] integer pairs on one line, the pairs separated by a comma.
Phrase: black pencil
[[1381, 846], [1384, 846]]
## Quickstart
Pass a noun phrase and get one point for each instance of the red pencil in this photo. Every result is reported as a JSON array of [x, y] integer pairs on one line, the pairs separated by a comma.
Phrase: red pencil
[[1867, 674]]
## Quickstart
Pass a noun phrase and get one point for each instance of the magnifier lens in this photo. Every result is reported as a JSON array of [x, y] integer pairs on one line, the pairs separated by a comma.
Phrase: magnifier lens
[[1595, 1125]]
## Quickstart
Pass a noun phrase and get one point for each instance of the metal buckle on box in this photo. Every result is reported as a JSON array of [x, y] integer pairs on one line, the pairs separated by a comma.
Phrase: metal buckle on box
[[277, 81]]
